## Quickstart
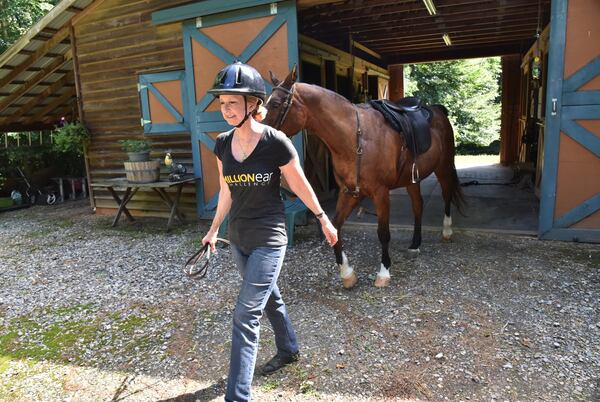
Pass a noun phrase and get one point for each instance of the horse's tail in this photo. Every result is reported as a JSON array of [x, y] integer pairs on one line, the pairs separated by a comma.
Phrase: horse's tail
[[457, 197]]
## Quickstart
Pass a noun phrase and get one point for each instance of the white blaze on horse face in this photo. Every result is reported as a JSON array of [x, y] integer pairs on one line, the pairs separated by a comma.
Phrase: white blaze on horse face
[[345, 268], [447, 231]]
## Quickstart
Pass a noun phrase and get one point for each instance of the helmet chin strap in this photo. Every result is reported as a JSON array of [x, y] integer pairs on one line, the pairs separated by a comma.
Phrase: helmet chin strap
[[247, 114]]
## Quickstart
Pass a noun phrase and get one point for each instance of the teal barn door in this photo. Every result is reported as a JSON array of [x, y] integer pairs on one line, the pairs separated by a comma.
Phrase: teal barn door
[[217, 33], [570, 189]]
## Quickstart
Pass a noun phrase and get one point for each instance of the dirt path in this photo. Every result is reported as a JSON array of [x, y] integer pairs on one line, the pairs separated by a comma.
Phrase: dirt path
[[94, 313]]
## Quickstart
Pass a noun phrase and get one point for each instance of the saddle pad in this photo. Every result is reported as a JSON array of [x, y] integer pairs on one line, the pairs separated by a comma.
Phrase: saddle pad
[[414, 125]]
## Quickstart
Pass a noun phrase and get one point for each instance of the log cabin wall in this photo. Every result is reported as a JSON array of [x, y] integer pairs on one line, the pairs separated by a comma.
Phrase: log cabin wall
[[116, 42]]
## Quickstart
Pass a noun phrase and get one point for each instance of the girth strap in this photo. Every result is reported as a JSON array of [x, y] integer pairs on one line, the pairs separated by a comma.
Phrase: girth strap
[[359, 151]]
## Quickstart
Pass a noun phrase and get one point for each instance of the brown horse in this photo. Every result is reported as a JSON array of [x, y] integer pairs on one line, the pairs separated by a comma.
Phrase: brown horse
[[369, 158]]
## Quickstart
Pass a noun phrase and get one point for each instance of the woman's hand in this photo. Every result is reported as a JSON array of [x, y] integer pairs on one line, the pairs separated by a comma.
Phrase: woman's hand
[[210, 238], [329, 230]]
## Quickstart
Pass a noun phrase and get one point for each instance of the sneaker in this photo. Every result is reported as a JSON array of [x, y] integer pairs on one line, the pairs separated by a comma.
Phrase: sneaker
[[279, 361]]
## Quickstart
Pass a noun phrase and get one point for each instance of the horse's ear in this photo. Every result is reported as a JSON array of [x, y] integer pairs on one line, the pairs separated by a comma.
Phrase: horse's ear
[[294, 73], [291, 78], [274, 79]]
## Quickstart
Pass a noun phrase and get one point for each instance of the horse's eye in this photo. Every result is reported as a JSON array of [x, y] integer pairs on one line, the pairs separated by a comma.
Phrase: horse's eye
[[275, 104]]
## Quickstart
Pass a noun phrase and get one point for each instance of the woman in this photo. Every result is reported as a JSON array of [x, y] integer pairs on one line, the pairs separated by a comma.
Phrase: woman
[[251, 158]]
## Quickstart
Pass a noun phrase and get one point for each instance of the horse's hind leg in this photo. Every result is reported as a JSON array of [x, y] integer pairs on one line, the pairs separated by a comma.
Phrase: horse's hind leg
[[345, 204], [414, 191], [382, 205]]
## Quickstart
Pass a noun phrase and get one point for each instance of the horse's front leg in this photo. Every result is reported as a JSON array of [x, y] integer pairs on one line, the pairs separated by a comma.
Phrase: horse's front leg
[[382, 206], [414, 191], [345, 204]]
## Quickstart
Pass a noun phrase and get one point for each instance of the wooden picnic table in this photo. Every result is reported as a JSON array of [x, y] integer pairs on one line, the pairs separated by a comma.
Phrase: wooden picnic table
[[130, 188]]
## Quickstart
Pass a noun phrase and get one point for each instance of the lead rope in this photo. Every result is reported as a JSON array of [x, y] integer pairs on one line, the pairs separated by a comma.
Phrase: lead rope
[[359, 151], [196, 266]]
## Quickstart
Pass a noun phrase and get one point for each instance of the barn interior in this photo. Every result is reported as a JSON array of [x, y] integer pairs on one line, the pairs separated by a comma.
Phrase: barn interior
[[369, 42]]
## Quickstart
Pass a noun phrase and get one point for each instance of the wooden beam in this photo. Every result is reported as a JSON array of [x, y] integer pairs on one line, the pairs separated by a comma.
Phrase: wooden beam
[[407, 27], [416, 23], [312, 3], [418, 40], [50, 91], [17, 127], [51, 106], [454, 53], [58, 63], [76, 75], [39, 53]]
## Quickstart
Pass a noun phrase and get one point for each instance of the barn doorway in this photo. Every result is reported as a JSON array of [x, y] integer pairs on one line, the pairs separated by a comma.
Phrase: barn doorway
[[505, 187]]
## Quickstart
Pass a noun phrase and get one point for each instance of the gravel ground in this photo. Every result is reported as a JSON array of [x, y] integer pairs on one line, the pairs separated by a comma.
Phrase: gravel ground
[[94, 313]]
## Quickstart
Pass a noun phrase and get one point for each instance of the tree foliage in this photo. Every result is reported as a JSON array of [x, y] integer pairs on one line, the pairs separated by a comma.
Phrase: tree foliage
[[17, 16], [468, 88]]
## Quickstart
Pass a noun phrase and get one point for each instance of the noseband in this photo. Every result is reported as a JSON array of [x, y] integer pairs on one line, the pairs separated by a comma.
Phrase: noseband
[[287, 105]]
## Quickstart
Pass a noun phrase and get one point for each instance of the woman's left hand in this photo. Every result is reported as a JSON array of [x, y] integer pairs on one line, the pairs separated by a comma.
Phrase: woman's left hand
[[329, 230]]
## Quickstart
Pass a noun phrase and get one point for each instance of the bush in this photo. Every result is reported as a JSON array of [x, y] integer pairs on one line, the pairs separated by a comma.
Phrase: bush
[[470, 148], [71, 138]]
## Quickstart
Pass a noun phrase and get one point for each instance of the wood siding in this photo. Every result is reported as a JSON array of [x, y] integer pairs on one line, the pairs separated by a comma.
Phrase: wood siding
[[117, 42]]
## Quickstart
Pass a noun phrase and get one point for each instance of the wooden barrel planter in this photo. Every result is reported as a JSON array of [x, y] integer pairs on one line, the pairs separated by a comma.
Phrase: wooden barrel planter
[[142, 172]]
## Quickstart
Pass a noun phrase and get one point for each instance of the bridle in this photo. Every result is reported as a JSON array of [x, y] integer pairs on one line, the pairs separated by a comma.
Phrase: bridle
[[196, 266], [286, 106]]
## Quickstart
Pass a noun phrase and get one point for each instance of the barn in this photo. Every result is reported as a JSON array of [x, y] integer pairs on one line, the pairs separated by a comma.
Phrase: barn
[[141, 69]]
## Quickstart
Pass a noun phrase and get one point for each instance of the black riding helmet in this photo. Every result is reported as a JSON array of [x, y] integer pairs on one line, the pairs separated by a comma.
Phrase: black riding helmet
[[239, 79]]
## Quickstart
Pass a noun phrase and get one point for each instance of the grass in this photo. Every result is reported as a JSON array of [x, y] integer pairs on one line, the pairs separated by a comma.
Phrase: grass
[[465, 161], [65, 334], [271, 384]]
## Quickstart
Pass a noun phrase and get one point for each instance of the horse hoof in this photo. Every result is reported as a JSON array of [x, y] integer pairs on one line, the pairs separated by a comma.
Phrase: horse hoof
[[412, 252], [349, 281], [446, 238], [382, 281]]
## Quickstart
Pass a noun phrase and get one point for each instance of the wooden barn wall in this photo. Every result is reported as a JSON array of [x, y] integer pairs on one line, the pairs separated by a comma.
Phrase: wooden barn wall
[[117, 42], [509, 127], [578, 178]]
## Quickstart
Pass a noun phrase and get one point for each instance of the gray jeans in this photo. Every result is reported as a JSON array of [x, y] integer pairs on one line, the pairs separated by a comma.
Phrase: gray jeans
[[260, 269]]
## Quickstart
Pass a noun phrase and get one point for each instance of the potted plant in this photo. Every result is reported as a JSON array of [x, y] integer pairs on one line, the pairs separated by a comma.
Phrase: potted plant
[[139, 168], [137, 150]]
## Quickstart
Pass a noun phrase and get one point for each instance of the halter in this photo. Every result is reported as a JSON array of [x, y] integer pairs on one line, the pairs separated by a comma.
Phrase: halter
[[287, 105]]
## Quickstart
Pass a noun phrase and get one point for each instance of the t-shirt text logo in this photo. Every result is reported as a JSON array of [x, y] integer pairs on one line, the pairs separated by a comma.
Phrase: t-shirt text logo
[[249, 179]]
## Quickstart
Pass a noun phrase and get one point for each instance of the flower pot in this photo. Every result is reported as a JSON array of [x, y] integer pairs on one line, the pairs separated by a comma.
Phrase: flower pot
[[139, 156]]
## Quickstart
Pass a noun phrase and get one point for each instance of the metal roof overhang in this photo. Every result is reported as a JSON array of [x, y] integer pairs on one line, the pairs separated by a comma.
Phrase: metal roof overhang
[[36, 73]]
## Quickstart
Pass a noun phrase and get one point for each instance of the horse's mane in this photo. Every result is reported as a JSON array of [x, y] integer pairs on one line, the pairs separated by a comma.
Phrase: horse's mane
[[328, 92]]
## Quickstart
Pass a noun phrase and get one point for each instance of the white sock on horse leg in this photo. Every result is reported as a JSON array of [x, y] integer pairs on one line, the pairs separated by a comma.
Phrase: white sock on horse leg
[[383, 272], [345, 268], [447, 231]]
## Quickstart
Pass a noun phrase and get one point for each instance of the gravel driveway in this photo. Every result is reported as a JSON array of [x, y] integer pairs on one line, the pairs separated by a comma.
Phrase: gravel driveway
[[94, 313]]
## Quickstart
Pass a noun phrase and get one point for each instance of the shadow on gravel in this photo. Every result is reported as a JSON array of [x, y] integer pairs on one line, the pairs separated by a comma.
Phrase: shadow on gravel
[[204, 395]]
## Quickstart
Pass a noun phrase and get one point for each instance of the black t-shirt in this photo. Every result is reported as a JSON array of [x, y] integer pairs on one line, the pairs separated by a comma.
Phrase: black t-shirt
[[257, 214]]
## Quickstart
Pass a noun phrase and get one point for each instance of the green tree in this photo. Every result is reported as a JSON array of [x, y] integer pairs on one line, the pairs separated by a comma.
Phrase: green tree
[[468, 88], [17, 16]]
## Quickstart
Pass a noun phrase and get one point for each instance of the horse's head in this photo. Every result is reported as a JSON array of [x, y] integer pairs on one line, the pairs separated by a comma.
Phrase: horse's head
[[283, 111]]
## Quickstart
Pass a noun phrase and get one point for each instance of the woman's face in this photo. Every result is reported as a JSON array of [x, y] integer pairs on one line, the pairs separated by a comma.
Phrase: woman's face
[[232, 108]]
